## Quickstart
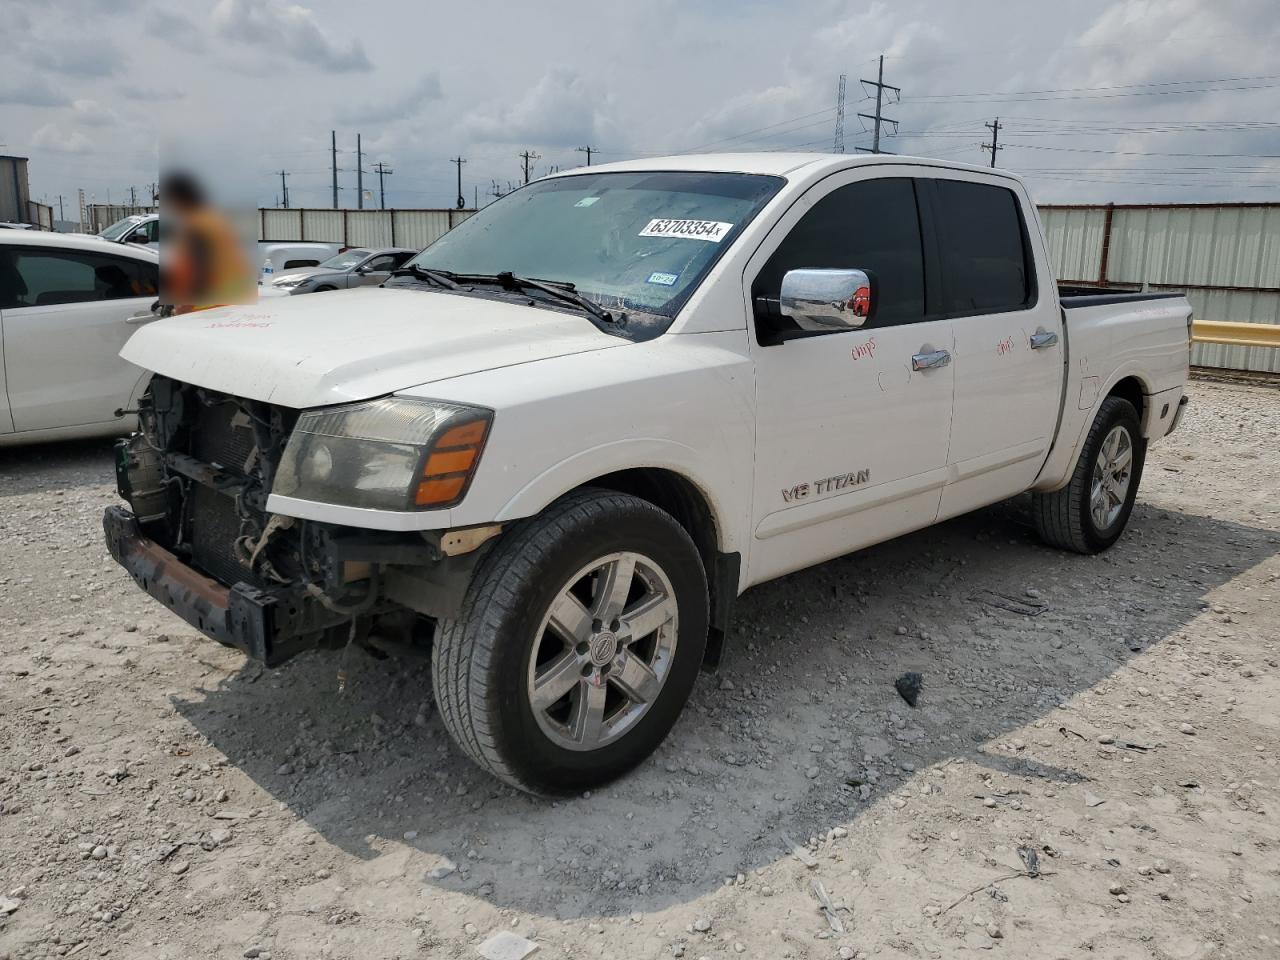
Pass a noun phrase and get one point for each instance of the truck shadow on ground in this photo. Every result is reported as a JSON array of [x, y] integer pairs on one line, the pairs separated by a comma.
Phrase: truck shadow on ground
[[801, 731]]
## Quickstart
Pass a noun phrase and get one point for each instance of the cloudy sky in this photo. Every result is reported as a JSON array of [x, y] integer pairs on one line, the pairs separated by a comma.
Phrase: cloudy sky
[[1124, 100]]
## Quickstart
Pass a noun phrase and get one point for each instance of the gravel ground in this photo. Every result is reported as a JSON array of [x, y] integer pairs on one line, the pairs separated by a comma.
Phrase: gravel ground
[[1115, 717]]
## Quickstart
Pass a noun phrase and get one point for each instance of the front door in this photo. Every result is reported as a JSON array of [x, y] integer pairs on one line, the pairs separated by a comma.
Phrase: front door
[[852, 426], [64, 325]]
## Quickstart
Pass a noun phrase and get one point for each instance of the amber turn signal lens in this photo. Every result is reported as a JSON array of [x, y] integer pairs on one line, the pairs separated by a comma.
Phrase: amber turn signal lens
[[449, 466]]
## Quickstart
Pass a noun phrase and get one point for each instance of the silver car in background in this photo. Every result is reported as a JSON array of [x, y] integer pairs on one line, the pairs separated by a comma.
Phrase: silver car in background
[[357, 267]]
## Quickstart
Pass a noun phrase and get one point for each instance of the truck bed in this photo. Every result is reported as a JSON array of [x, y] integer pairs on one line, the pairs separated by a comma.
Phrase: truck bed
[[1080, 296]]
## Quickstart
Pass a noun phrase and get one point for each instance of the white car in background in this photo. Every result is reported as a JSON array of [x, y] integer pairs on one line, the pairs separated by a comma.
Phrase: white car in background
[[68, 303], [140, 229]]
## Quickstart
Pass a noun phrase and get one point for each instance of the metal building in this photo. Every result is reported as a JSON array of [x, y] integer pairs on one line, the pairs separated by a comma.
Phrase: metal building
[[1226, 256], [15, 194]]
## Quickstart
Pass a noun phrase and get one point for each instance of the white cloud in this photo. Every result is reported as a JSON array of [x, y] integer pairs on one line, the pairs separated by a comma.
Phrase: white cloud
[[55, 139], [563, 108], [31, 92], [393, 106], [290, 28]]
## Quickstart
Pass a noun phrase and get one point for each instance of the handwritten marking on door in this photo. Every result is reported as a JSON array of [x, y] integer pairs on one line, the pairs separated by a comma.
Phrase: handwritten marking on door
[[1004, 346], [864, 349]]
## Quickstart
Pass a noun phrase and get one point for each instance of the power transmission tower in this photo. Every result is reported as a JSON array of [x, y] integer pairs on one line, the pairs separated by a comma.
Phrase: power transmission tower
[[83, 211], [333, 150], [878, 117], [359, 174], [839, 146], [528, 158], [383, 171], [284, 187], [994, 145], [459, 162], [588, 151]]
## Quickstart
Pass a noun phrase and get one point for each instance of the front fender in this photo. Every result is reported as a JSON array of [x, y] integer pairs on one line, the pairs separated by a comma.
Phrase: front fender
[[640, 452]]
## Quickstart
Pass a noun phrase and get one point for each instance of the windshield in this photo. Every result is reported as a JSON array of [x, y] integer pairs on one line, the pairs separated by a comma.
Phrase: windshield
[[120, 228], [628, 241], [346, 260]]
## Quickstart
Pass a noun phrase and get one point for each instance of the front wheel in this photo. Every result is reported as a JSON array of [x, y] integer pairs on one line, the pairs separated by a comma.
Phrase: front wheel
[[579, 642], [1089, 514]]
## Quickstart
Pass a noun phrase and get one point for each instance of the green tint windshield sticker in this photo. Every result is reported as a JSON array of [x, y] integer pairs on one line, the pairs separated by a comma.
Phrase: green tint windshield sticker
[[666, 279]]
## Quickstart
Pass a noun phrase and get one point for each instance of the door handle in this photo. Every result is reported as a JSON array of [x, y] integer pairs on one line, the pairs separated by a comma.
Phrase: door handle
[[1040, 339], [141, 318], [928, 361]]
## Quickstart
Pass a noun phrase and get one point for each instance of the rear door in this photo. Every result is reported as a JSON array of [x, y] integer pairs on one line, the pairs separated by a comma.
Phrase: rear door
[[1008, 346], [64, 326], [851, 441]]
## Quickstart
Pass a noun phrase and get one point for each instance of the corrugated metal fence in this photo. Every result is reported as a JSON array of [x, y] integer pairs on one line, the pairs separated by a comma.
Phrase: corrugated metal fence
[[1225, 256], [359, 228], [99, 216]]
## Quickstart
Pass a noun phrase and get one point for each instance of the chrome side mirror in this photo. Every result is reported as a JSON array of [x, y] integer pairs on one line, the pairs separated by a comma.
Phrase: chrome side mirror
[[828, 299]]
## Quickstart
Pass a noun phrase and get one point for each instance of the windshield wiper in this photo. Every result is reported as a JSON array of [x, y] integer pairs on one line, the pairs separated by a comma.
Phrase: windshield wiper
[[439, 277], [563, 291]]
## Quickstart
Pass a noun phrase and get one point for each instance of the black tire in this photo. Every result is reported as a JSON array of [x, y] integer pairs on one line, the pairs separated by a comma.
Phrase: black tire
[[323, 289], [480, 661], [1063, 518]]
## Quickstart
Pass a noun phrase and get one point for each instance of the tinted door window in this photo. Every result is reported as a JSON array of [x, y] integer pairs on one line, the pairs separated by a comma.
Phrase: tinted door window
[[872, 225], [381, 264], [985, 263], [39, 277]]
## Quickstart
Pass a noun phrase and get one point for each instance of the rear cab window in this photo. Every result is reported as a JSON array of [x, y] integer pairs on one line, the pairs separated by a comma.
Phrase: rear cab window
[[983, 247]]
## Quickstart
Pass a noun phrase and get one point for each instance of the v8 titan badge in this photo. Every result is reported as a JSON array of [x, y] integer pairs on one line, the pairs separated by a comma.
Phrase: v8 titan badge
[[711, 230]]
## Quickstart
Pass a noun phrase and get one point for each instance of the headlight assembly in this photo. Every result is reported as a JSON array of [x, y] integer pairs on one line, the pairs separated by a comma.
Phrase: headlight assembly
[[388, 454]]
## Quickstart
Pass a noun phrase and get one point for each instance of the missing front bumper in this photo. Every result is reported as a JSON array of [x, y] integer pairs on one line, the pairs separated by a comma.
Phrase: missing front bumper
[[268, 625]]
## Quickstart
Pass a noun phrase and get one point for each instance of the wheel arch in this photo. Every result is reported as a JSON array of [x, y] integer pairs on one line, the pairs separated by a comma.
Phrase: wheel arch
[[682, 498]]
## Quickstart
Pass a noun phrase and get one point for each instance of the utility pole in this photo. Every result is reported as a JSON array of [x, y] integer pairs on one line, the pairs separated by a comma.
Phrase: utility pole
[[839, 145], [61, 215], [284, 187], [588, 151], [994, 145], [878, 117], [383, 171], [333, 152], [133, 196], [528, 158], [458, 161], [359, 175]]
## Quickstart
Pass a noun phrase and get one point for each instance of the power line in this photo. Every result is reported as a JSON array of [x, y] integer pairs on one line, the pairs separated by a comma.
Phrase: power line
[[359, 174], [839, 144], [333, 151], [1115, 86], [994, 145], [878, 117], [528, 157], [383, 171], [458, 161]]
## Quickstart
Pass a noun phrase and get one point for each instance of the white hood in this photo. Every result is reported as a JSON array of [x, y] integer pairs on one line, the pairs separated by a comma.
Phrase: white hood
[[354, 344]]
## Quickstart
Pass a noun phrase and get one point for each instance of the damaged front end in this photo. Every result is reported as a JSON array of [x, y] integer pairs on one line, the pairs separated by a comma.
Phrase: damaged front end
[[199, 539]]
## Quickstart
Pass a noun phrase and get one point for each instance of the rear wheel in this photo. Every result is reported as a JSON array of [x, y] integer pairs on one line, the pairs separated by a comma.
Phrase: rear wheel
[[1090, 513], [579, 642]]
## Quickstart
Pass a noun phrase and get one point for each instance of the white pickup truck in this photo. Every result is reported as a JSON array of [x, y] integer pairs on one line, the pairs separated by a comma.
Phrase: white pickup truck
[[553, 450]]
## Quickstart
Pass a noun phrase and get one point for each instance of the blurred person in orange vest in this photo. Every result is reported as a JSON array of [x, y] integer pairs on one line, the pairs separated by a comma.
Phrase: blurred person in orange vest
[[202, 262]]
